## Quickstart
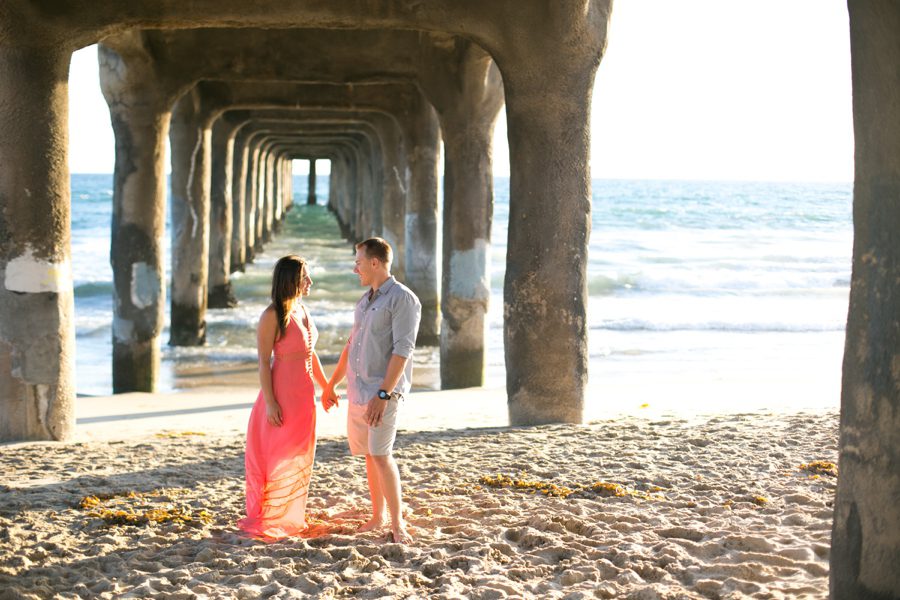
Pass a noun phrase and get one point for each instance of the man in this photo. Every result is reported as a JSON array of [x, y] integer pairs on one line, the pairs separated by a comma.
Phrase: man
[[377, 361]]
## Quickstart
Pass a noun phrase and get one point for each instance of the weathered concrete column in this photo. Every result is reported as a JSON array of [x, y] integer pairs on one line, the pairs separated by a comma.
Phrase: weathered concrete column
[[274, 190], [251, 199], [466, 285], [221, 205], [190, 139], [283, 181], [335, 183], [467, 104], [421, 220], [865, 544], [239, 203], [37, 330], [139, 111], [548, 100], [287, 175], [261, 207], [311, 195], [370, 205], [273, 210], [265, 211], [341, 173]]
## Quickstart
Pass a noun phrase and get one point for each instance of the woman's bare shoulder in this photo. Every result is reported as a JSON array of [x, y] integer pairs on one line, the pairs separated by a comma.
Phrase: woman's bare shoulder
[[268, 315]]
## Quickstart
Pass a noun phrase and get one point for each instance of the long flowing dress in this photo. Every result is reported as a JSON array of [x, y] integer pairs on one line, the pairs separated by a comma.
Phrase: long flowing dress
[[279, 460]]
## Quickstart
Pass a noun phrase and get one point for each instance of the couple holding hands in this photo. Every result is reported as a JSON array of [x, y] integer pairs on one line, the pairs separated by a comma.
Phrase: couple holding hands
[[377, 363]]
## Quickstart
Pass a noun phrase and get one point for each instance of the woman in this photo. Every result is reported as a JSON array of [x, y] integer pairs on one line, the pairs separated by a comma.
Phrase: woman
[[281, 435]]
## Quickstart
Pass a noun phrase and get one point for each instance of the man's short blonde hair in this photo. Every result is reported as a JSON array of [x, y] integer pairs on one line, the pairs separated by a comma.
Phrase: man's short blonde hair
[[377, 247]]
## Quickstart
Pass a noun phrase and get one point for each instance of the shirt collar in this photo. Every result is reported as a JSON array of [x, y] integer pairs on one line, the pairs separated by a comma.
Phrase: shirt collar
[[383, 289]]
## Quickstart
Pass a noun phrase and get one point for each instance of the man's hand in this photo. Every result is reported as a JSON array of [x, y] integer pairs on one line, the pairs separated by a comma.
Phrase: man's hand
[[273, 413], [329, 398], [375, 411]]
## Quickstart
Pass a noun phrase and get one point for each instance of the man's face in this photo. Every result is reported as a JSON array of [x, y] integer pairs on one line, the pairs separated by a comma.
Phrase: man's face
[[364, 267]]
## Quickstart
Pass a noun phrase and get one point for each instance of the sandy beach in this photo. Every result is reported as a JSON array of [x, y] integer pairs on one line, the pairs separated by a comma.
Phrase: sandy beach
[[637, 504]]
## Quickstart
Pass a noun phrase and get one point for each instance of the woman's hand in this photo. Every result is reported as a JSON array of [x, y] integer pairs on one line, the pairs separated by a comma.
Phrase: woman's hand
[[273, 413], [329, 398]]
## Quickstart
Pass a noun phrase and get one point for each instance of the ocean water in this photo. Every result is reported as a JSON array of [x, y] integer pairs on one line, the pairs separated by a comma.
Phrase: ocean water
[[738, 287]]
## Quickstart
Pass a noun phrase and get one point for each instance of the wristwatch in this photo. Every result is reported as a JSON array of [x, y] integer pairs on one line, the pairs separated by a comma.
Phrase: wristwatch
[[384, 395]]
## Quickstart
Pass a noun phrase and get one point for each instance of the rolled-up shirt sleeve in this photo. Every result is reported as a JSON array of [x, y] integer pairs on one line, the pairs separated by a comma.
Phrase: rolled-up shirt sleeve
[[406, 314]]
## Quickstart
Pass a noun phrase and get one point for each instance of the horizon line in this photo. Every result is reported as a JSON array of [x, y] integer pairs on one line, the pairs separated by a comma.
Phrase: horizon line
[[605, 178]]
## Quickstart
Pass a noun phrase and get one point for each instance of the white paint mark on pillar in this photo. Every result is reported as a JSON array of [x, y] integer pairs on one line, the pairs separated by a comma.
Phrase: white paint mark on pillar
[[123, 330], [42, 399], [28, 274], [401, 181], [190, 183], [144, 285], [469, 272]]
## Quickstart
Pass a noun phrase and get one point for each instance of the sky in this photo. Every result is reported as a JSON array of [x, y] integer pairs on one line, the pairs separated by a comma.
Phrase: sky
[[751, 90]]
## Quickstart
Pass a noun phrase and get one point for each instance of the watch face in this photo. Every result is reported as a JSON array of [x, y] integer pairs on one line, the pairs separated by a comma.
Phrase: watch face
[[383, 395]]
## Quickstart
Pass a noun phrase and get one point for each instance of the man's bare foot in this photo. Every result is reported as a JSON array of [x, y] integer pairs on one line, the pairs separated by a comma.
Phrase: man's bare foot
[[399, 535], [372, 524]]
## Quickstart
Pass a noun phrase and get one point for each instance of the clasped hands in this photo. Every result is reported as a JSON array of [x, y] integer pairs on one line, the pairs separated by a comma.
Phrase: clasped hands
[[329, 398], [374, 410]]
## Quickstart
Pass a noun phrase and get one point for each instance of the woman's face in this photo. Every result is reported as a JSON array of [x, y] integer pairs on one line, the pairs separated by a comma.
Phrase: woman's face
[[305, 282]]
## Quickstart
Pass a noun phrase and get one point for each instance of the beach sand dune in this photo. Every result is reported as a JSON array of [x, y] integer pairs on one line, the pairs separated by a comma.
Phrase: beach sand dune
[[631, 507]]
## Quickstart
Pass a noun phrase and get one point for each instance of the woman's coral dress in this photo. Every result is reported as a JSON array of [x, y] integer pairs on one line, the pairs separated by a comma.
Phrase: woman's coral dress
[[279, 460]]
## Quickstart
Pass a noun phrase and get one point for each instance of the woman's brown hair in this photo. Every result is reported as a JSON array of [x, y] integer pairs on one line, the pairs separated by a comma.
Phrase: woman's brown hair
[[287, 279]]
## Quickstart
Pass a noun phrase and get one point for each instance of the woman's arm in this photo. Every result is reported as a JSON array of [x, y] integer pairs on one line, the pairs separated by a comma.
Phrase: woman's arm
[[329, 397], [341, 369], [265, 341], [318, 371]]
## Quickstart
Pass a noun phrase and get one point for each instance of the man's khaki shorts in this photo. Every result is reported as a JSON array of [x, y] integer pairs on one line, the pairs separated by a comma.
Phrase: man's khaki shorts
[[377, 441]]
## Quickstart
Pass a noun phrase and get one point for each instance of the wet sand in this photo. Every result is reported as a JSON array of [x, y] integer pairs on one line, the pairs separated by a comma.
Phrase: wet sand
[[637, 504]]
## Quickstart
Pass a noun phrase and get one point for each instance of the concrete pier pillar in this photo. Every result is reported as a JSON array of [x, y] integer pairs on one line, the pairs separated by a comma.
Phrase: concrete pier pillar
[[37, 329], [190, 139], [466, 89], [466, 285], [420, 249], [240, 223], [341, 172], [347, 192], [865, 543], [251, 199], [275, 189], [545, 289], [139, 112], [221, 206], [333, 185], [273, 206], [264, 210], [311, 195], [287, 175], [362, 189]]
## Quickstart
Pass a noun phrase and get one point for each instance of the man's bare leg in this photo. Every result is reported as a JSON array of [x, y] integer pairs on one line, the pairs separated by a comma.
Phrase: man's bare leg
[[376, 494], [390, 487]]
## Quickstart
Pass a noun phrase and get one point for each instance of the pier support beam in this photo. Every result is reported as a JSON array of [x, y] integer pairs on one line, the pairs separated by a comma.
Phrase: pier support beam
[[311, 195], [37, 329], [139, 111], [548, 101], [466, 89], [865, 543], [190, 139], [221, 207], [420, 246], [240, 224]]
